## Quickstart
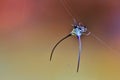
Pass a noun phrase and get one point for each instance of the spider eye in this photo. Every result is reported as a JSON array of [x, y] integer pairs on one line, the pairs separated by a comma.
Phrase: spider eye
[[75, 26], [80, 28], [85, 27]]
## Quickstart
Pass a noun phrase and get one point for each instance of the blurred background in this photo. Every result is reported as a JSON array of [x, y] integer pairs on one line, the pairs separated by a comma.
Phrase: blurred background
[[30, 28]]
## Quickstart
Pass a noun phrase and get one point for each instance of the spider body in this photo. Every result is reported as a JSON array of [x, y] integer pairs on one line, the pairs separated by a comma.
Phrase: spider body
[[79, 30]]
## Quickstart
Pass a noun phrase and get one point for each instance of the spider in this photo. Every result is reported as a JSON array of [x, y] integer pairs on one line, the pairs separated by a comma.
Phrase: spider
[[78, 31]]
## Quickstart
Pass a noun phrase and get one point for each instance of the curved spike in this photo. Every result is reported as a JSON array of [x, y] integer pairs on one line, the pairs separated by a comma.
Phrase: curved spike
[[58, 43], [80, 49]]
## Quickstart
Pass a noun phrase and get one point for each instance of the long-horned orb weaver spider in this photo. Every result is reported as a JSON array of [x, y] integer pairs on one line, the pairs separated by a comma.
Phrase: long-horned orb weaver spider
[[78, 31]]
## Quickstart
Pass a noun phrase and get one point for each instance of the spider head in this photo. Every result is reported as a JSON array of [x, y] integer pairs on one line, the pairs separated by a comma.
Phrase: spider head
[[78, 30]]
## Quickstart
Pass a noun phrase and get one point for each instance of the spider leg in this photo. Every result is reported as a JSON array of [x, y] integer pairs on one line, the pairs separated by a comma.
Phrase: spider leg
[[75, 21], [80, 48], [88, 33], [58, 44]]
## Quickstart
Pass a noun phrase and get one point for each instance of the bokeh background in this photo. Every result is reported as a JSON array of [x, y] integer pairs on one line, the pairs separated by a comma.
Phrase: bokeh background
[[30, 28]]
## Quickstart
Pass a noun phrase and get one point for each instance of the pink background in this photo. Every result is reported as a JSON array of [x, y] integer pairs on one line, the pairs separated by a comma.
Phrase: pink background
[[30, 28]]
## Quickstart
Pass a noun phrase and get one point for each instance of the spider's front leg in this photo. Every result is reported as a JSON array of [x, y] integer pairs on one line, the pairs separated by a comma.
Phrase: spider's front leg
[[87, 34]]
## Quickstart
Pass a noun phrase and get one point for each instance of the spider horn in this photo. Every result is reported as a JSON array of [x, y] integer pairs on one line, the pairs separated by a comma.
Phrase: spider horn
[[57, 44], [80, 48]]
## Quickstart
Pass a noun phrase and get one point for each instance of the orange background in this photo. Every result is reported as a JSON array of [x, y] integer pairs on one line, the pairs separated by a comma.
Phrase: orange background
[[30, 28]]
